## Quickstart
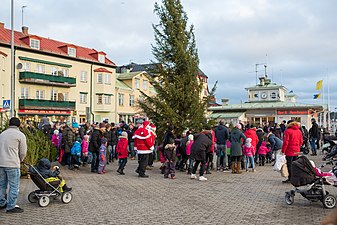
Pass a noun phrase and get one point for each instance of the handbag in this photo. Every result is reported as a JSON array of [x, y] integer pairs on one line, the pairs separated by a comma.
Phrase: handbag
[[284, 170], [280, 161]]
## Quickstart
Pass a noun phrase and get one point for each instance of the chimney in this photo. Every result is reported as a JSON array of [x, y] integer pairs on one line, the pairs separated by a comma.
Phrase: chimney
[[25, 30], [224, 101], [2, 25]]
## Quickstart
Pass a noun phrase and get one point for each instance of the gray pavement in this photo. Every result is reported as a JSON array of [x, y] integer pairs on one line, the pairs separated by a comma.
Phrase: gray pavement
[[249, 198]]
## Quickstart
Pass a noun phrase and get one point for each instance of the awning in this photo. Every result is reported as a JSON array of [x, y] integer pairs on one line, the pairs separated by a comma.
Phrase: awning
[[226, 115]]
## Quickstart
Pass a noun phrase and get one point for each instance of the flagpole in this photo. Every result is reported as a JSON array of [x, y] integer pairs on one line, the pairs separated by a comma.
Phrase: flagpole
[[327, 79]]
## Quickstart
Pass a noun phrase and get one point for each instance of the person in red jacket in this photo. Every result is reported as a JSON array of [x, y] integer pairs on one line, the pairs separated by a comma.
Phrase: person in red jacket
[[251, 133], [122, 151], [292, 142], [144, 144]]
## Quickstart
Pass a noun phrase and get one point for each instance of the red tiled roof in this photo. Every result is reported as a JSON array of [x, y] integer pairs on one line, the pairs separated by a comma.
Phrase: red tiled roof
[[102, 70], [51, 46]]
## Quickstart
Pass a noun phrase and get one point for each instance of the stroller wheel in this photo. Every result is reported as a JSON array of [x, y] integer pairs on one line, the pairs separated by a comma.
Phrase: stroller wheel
[[289, 198], [329, 201], [32, 197], [44, 201], [66, 197]]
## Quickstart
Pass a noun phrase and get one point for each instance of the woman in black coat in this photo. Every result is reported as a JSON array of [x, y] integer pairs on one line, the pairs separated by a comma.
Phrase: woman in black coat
[[202, 144]]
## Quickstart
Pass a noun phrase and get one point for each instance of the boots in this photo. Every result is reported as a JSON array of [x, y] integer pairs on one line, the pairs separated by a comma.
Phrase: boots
[[238, 165], [233, 167]]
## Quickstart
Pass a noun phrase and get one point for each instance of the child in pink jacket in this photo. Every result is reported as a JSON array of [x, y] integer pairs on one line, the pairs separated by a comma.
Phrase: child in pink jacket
[[189, 144], [249, 151], [263, 150], [85, 145]]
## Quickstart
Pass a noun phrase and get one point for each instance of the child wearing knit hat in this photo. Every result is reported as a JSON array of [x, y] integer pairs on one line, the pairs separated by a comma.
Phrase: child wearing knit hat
[[122, 151]]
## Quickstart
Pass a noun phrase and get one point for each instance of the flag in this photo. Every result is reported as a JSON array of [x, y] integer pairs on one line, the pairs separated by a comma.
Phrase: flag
[[319, 85], [317, 96]]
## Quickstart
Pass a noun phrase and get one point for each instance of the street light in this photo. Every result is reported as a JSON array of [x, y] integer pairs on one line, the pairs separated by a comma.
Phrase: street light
[[12, 61]]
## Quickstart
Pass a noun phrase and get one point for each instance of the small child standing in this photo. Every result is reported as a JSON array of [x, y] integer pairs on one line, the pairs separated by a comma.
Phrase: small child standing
[[75, 151], [263, 150], [169, 154], [189, 144], [85, 146], [122, 151], [102, 156], [249, 152]]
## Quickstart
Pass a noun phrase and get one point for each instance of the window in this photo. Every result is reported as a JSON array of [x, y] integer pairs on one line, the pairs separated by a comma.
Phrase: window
[[53, 95], [144, 84], [66, 96], [83, 98], [24, 92], [63, 72], [99, 78], [107, 99], [141, 98], [121, 99], [137, 83], [101, 58], [132, 100], [40, 68], [39, 94], [35, 43], [99, 99], [72, 51], [107, 78], [54, 70], [83, 77], [26, 66]]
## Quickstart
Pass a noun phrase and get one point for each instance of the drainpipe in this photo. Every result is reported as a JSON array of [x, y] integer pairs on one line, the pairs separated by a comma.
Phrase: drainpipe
[[91, 77]]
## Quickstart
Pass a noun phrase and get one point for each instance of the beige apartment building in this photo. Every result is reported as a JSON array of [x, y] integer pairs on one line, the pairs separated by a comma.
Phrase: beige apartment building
[[62, 81]]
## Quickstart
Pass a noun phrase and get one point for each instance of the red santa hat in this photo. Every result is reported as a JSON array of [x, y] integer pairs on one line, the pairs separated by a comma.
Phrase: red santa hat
[[145, 124]]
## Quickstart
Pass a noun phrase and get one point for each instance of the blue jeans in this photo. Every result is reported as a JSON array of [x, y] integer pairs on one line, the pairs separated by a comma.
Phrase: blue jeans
[[313, 145], [122, 163], [11, 177], [250, 159], [131, 149], [221, 156]]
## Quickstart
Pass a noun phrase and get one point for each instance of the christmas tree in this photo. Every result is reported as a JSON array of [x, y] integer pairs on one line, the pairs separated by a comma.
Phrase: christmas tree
[[178, 99]]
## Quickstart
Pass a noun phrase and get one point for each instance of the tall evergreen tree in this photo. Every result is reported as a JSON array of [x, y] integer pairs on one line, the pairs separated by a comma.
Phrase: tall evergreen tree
[[178, 100]]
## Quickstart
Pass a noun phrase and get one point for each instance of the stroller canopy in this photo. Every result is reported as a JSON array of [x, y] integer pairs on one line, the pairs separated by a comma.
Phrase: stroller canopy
[[302, 172]]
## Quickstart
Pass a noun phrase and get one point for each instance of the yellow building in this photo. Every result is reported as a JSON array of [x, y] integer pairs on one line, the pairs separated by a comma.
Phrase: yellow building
[[55, 79]]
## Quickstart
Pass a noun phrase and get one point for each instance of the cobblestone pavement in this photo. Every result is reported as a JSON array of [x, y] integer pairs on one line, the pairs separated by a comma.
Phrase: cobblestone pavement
[[249, 198]]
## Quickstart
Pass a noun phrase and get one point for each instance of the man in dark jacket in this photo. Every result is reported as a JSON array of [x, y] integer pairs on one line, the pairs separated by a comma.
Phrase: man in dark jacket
[[314, 134], [221, 136], [94, 144], [68, 139], [202, 144]]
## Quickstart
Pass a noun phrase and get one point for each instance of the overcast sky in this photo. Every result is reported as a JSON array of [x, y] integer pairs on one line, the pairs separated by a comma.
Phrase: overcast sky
[[297, 39]]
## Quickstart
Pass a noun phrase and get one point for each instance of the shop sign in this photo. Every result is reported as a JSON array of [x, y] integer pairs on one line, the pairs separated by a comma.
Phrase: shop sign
[[293, 112], [44, 112], [3, 110]]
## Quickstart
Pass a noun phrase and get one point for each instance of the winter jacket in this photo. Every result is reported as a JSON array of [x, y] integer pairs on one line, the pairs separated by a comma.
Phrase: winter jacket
[[248, 151], [13, 147], [251, 133], [263, 150], [68, 138], [314, 133], [85, 146], [143, 139], [275, 142], [221, 134], [277, 132], [183, 145], [122, 148], [292, 140], [76, 149], [130, 134], [55, 140], [202, 144], [43, 168], [95, 141], [102, 154], [237, 138], [169, 152]]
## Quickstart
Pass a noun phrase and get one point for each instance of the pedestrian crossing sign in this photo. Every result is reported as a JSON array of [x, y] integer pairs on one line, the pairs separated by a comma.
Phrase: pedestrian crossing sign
[[6, 104]]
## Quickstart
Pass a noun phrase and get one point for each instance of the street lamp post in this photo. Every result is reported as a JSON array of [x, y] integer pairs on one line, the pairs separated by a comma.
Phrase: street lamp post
[[12, 61]]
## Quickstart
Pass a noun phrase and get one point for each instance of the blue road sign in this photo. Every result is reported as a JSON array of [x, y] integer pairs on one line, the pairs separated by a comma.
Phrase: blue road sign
[[6, 104]]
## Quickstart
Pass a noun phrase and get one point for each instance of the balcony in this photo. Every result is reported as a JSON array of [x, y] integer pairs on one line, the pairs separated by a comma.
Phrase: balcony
[[46, 79], [46, 104]]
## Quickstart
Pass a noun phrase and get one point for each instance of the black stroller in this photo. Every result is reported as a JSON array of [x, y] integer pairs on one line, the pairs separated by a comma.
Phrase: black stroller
[[303, 174], [47, 190]]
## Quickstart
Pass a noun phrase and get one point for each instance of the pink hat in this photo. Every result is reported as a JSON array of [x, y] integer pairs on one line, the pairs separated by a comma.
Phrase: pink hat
[[238, 126]]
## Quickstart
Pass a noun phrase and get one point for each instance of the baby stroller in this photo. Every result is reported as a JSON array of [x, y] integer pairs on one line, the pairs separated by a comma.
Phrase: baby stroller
[[47, 190], [303, 174]]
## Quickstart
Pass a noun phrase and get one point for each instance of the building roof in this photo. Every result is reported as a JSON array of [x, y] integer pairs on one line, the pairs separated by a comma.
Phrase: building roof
[[51, 46], [264, 105], [102, 70], [201, 73], [129, 76], [226, 115], [121, 85]]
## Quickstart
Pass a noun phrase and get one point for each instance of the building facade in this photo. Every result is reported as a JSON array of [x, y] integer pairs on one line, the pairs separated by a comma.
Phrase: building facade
[[267, 103]]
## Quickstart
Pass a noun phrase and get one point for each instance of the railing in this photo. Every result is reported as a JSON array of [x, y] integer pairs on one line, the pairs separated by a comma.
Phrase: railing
[[46, 104], [33, 77]]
